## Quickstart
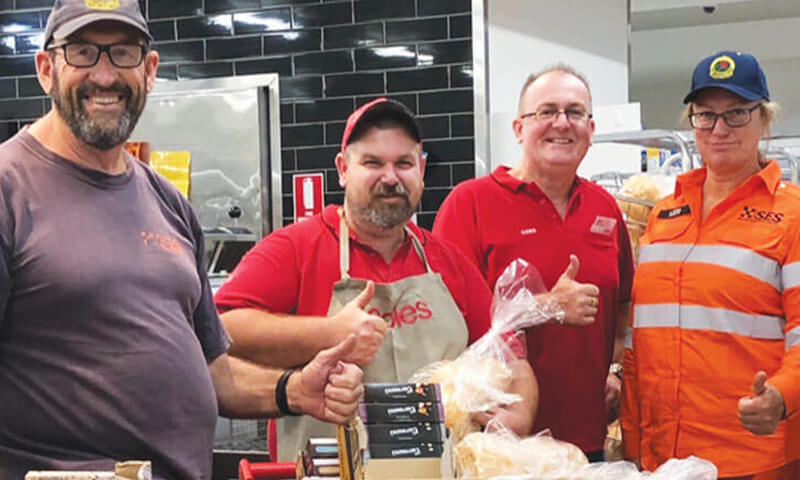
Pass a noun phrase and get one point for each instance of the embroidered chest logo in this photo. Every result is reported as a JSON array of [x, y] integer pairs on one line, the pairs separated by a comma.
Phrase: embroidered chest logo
[[159, 240], [751, 214], [404, 315]]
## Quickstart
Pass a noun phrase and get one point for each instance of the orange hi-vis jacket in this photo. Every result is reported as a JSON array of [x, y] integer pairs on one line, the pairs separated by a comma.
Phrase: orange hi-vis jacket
[[713, 304]]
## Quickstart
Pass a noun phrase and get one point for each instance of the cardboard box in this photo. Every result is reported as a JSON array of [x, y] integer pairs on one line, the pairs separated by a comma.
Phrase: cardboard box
[[406, 432], [322, 448], [405, 450], [401, 413], [324, 467], [396, 468], [402, 392]]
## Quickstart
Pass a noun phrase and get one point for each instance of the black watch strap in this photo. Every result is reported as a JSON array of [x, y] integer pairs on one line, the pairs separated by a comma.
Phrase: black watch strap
[[280, 394]]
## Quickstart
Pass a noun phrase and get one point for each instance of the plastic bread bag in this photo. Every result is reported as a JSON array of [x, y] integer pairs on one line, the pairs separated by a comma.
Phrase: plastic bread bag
[[490, 454], [478, 380], [620, 470], [690, 468], [498, 452]]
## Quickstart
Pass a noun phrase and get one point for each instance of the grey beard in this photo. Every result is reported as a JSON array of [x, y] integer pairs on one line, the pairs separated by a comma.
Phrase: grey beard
[[384, 216], [86, 129]]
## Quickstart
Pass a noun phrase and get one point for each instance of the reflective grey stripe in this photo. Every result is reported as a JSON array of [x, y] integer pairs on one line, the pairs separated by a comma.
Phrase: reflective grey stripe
[[793, 338], [629, 338], [664, 252], [692, 317], [791, 275], [740, 259]]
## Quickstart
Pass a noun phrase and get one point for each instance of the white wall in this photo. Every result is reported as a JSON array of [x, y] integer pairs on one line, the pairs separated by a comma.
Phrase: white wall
[[662, 62], [524, 36]]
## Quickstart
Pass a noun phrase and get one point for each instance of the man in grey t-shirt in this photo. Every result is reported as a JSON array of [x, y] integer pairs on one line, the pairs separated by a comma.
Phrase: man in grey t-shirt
[[110, 345]]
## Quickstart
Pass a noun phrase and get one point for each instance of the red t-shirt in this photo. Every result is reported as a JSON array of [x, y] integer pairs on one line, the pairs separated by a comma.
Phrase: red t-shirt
[[293, 271], [496, 219]]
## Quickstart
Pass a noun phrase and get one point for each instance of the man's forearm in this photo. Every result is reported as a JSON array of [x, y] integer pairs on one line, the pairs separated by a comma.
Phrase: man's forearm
[[278, 340], [525, 385], [327, 388], [244, 390]]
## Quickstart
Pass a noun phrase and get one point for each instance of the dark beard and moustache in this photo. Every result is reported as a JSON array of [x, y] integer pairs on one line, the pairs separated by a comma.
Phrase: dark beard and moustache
[[100, 133], [382, 214]]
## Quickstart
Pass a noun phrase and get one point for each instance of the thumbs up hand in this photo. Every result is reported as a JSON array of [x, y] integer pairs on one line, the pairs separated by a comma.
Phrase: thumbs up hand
[[762, 412], [368, 329], [578, 300], [327, 388]]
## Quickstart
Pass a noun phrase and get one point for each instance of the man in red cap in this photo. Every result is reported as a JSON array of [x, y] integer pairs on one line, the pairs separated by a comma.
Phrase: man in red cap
[[110, 345], [364, 267]]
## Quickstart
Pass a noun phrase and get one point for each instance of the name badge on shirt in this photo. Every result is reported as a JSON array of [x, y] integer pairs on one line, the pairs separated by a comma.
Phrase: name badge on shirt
[[603, 225], [674, 212]]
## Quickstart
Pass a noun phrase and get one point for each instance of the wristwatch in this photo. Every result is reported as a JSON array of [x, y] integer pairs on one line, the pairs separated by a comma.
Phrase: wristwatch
[[616, 369]]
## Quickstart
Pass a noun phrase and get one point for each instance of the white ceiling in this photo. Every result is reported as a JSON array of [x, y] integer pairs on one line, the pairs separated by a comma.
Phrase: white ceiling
[[659, 14], [668, 37]]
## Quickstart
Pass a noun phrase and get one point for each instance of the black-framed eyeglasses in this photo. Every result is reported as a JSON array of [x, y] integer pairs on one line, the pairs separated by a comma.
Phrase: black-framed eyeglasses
[[550, 114], [85, 55], [734, 118]]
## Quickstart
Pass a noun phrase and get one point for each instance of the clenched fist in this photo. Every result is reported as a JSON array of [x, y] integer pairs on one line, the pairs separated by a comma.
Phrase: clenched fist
[[328, 388]]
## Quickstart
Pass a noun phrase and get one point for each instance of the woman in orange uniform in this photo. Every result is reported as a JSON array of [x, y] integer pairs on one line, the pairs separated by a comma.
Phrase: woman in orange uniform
[[712, 368]]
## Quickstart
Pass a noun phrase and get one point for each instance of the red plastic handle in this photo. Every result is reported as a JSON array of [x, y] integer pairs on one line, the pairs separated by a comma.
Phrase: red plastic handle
[[263, 471], [244, 470]]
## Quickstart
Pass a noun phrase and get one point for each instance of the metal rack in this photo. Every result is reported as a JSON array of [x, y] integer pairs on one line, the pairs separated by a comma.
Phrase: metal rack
[[681, 141], [785, 149]]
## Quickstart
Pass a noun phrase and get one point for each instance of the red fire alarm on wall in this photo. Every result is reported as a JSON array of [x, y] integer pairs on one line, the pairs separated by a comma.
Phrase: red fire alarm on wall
[[308, 197]]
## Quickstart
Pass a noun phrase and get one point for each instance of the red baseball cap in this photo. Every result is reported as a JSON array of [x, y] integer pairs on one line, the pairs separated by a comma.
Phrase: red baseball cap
[[375, 113]]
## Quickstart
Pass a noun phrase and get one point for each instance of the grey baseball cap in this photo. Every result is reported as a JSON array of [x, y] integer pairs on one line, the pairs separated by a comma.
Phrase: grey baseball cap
[[69, 16]]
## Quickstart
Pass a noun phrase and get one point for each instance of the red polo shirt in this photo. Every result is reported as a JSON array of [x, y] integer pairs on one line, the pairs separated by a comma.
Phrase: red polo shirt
[[496, 219], [293, 271]]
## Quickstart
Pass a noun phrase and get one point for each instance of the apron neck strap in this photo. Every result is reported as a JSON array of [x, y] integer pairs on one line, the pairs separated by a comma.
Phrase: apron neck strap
[[418, 248], [344, 246]]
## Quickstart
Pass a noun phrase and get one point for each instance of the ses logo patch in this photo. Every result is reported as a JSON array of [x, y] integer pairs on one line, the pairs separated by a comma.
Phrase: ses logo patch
[[722, 67], [751, 214]]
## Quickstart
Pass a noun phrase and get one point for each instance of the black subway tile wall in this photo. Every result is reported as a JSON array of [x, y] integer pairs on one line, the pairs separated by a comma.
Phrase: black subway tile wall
[[195, 27], [332, 56], [362, 35], [8, 88]]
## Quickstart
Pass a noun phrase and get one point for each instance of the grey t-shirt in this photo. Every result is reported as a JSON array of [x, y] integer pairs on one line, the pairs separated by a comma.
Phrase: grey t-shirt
[[107, 320]]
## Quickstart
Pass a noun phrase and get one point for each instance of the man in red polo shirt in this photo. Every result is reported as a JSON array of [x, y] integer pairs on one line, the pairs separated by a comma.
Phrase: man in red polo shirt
[[573, 232], [364, 267]]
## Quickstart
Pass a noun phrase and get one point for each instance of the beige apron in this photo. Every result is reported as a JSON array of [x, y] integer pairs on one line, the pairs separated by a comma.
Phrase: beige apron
[[426, 326]]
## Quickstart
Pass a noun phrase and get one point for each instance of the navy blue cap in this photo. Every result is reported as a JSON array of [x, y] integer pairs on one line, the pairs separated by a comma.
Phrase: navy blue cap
[[736, 72]]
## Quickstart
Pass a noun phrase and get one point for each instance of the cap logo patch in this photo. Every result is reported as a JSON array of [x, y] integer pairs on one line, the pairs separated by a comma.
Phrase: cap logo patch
[[722, 67], [102, 4]]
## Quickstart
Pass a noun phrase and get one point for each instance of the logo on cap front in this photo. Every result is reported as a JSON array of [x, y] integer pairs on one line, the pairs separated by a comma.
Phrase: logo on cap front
[[102, 4], [722, 67]]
